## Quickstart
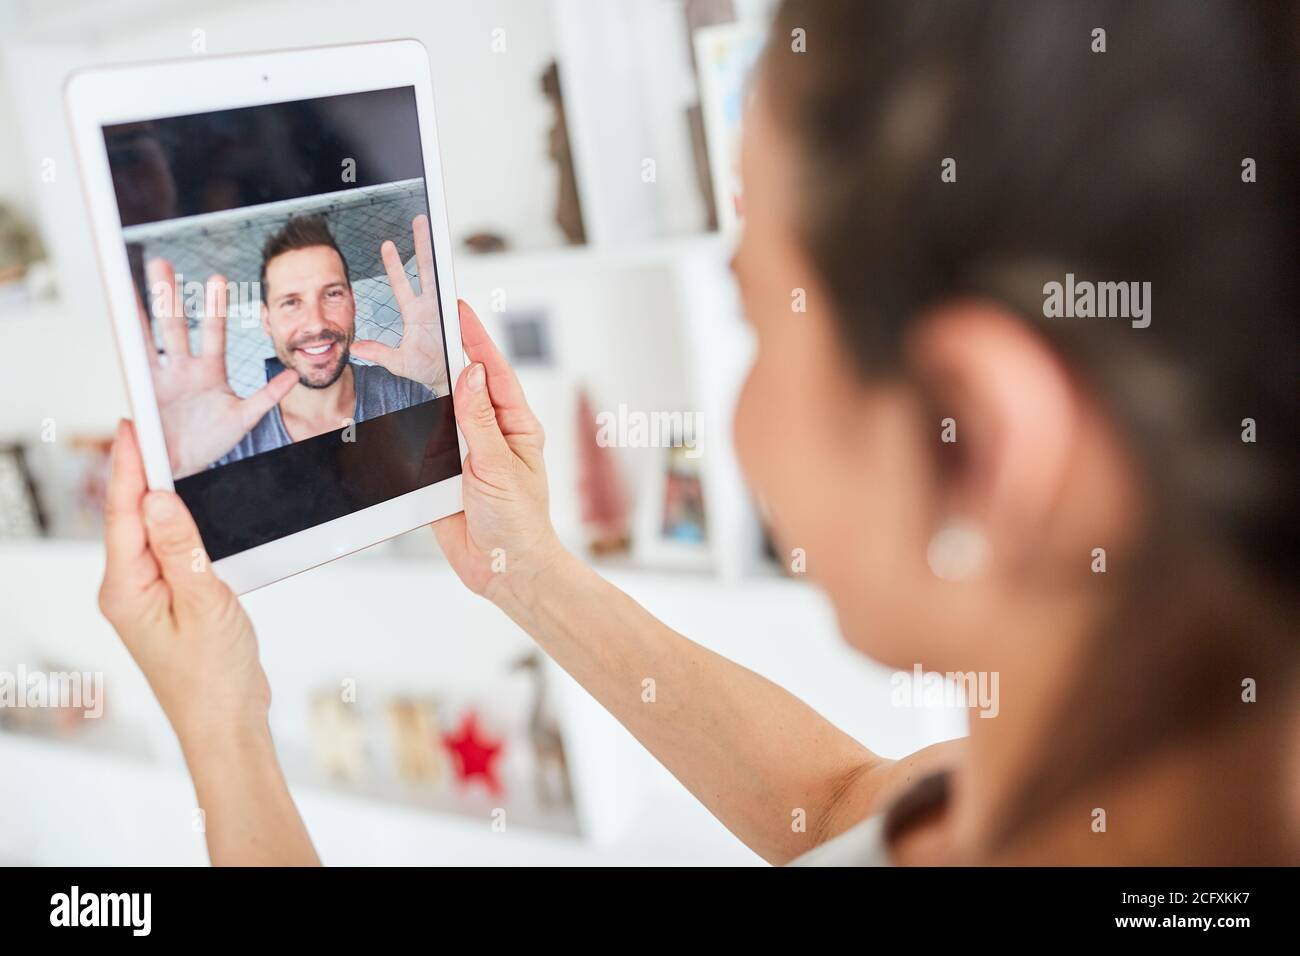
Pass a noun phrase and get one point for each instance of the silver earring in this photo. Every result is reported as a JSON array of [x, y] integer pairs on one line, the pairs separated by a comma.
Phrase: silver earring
[[957, 551]]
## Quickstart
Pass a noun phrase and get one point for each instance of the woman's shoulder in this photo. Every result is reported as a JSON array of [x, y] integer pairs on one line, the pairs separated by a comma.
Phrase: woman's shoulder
[[860, 845], [910, 830]]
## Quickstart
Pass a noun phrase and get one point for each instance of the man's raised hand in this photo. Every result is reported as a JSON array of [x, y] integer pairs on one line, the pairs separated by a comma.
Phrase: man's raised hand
[[419, 356], [202, 417]]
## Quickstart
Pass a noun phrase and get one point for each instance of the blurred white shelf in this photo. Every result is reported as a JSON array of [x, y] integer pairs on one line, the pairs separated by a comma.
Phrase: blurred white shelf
[[647, 254], [97, 809], [61, 803]]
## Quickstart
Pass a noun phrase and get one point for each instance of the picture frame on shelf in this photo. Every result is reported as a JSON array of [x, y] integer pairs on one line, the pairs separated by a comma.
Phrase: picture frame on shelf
[[527, 338], [672, 528], [725, 55], [21, 515]]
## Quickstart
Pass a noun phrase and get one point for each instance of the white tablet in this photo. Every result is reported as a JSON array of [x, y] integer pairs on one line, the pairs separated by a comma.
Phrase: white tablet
[[273, 237]]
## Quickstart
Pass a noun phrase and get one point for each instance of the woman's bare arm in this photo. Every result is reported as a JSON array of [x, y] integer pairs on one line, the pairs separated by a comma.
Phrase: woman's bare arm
[[774, 771], [194, 643]]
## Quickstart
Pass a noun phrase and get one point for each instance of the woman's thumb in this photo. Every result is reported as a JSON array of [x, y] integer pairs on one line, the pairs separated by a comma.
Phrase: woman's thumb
[[175, 542], [489, 453]]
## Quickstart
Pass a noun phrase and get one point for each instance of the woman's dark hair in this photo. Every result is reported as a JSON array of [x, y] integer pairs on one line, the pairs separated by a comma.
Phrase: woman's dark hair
[[1163, 150]]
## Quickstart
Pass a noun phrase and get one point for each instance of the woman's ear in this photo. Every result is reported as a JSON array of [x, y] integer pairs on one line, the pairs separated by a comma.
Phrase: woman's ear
[[1008, 422]]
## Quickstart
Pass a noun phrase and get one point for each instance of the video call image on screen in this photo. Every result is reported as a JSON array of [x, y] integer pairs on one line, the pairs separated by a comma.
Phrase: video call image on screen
[[288, 290]]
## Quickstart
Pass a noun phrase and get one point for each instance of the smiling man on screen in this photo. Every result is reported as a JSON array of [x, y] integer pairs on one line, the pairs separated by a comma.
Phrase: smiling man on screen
[[309, 313]]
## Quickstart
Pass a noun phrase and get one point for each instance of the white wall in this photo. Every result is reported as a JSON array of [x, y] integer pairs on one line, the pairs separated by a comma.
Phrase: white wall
[[493, 121], [15, 180], [493, 118]]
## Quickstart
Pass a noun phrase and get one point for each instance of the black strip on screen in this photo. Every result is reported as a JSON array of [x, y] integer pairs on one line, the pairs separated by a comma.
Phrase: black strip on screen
[[259, 499], [231, 159]]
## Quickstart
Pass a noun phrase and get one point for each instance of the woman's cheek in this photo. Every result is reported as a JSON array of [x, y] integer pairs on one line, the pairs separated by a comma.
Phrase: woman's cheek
[[765, 438], [745, 433]]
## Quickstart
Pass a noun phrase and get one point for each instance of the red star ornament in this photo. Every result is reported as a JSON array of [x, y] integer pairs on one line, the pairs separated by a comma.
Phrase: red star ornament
[[472, 755]]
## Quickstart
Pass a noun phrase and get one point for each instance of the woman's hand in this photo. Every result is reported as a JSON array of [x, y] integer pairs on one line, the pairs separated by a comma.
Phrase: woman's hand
[[185, 628], [505, 534], [196, 646]]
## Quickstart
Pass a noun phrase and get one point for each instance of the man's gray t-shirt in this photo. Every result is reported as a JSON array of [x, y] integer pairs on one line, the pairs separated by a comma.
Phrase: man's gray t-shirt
[[379, 392]]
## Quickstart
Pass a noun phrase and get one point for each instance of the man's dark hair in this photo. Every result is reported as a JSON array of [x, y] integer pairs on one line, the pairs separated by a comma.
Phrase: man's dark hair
[[300, 232]]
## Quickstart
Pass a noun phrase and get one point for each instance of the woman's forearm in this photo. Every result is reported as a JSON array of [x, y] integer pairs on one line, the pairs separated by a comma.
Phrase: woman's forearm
[[247, 813], [775, 772]]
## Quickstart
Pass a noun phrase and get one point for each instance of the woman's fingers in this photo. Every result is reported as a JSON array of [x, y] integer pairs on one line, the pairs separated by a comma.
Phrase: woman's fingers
[[507, 394], [450, 532], [490, 457], [175, 542], [130, 566]]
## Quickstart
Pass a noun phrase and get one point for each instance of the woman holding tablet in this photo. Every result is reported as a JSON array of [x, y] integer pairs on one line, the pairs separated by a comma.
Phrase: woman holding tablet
[[1060, 261]]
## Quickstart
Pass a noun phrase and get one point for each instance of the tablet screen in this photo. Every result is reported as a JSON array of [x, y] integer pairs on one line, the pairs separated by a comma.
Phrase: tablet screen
[[284, 265]]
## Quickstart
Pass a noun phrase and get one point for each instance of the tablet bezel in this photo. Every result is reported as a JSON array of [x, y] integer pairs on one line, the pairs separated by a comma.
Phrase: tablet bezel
[[101, 97]]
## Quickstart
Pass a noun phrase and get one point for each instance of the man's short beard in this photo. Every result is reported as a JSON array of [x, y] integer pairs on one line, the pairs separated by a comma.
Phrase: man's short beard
[[287, 352], [338, 372]]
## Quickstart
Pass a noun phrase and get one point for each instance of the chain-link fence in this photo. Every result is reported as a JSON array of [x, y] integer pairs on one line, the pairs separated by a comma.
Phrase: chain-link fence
[[229, 243]]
